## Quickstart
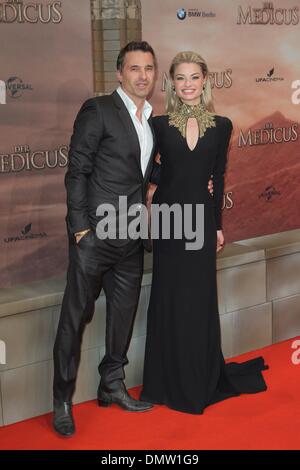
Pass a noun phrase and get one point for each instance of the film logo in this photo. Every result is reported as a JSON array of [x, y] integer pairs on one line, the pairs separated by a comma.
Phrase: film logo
[[269, 134], [15, 87], [269, 77], [218, 79], [19, 11], [24, 159], [25, 234], [268, 15]]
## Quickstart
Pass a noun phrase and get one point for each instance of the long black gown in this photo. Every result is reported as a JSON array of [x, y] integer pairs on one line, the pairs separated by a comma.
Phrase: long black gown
[[184, 365]]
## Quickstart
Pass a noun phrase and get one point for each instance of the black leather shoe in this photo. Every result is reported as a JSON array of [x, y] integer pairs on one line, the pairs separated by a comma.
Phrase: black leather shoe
[[122, 398], [63, 421]]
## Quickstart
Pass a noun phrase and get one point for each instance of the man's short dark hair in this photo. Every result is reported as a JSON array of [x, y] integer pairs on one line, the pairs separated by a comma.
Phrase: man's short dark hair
[[134, 46]]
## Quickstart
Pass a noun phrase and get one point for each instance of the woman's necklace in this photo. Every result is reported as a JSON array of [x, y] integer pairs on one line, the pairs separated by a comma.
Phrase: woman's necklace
[[179, 118]]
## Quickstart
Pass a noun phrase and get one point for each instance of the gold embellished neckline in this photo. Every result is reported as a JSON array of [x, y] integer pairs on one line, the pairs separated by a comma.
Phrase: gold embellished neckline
[[179, 118]]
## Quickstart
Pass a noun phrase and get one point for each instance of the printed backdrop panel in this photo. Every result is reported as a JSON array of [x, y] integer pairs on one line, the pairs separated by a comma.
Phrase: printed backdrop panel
[[46, 65], [252, 51], [46, 73]]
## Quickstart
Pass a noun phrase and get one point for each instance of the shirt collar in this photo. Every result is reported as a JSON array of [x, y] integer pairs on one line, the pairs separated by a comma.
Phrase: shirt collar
[[130, 105]]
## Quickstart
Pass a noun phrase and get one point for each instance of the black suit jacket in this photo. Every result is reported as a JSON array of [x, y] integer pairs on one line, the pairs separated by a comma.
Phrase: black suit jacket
[[104, 163]]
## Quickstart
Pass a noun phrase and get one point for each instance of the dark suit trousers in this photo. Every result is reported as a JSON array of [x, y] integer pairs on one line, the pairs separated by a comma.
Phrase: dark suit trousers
[[94, 264]]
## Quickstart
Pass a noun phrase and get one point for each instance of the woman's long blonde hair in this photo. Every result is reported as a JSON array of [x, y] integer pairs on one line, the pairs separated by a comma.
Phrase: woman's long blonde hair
[[172, 101]]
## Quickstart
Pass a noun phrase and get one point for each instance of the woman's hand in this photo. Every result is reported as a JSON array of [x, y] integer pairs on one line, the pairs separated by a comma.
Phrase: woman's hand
[[220, 240], [150, 191]]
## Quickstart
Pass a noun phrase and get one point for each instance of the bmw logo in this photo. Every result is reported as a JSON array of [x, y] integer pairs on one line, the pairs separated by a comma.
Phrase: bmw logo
[[181, 14]]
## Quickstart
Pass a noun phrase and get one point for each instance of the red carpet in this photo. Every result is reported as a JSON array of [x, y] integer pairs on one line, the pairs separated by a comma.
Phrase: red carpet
[[268, 420]]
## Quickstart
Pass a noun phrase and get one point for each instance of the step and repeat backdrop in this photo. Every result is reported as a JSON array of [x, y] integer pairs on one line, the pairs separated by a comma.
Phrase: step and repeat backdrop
[[252, 50], [46, 67]]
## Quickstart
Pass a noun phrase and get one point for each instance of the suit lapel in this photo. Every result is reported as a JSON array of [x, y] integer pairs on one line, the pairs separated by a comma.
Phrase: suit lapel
[[132, 134], [128, 126]]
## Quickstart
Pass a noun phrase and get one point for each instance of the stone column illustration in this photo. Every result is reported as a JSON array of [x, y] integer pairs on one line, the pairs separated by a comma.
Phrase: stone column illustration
[[114, 24]]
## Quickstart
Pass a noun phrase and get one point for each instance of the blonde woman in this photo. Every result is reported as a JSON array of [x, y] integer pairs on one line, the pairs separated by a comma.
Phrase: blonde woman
[[184, 365]]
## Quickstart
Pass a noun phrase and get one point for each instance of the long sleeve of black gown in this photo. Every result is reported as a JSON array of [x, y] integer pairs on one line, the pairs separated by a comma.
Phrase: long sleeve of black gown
[[219, 169]]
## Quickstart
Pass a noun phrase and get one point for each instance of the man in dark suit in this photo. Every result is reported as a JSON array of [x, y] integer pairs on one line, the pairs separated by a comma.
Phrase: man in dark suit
[[111, 155]]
